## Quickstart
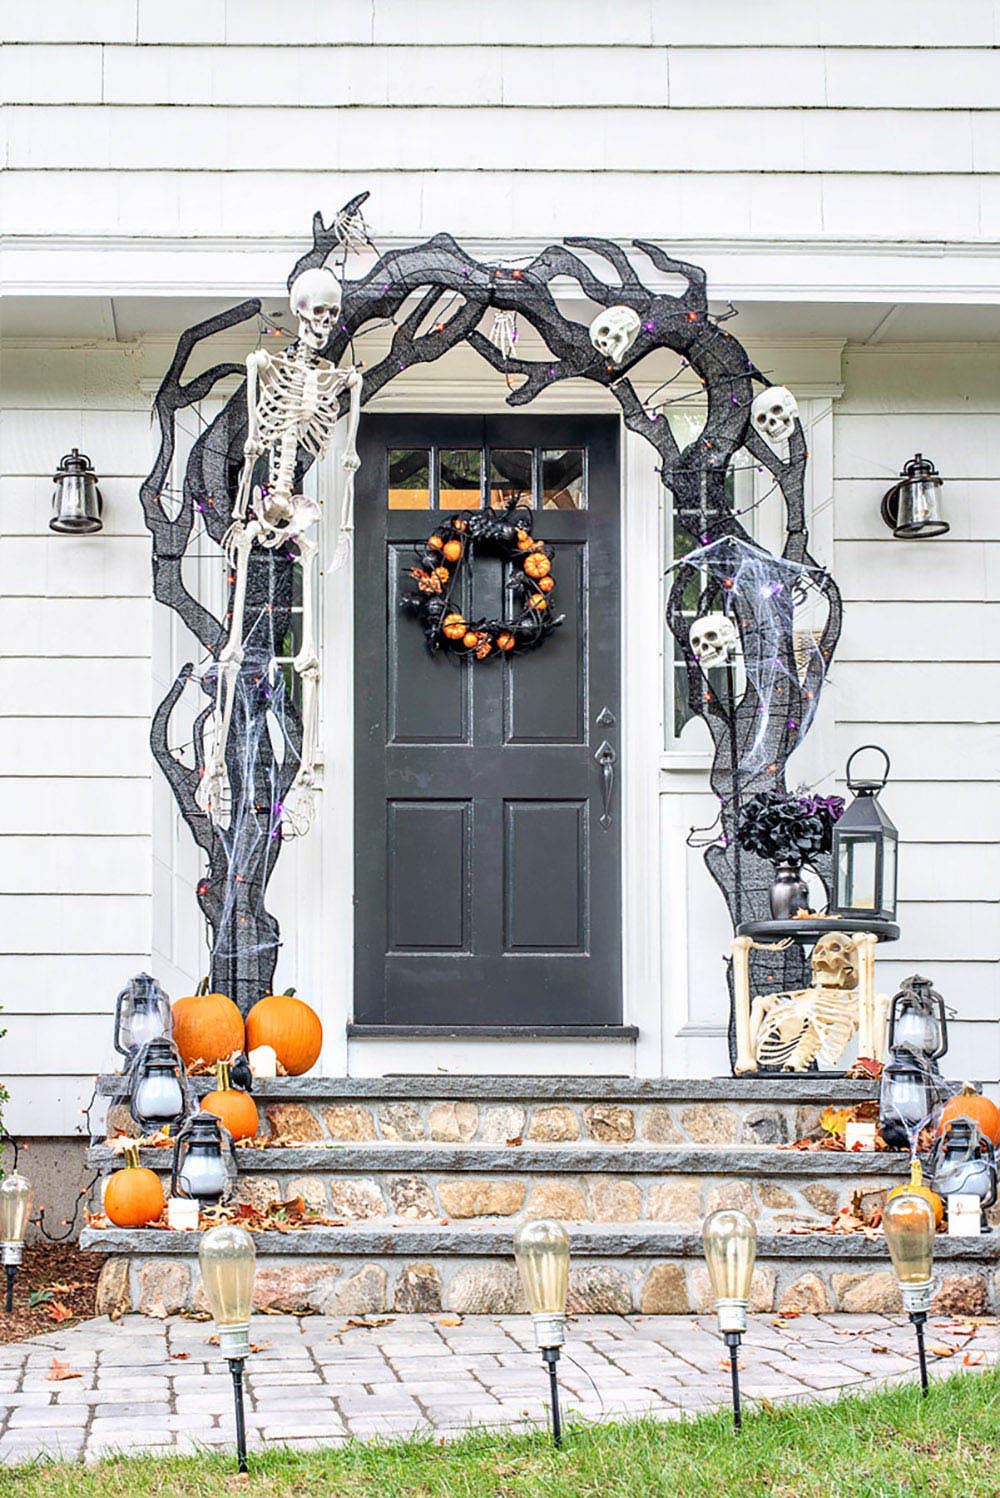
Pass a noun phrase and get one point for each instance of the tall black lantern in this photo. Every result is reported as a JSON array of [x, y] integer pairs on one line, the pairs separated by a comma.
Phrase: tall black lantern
[[864, 851], [917, 1019], [203, 1164]]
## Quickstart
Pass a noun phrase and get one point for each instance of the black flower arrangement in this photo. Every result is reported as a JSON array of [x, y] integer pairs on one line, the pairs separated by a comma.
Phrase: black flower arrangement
[[788, 829]]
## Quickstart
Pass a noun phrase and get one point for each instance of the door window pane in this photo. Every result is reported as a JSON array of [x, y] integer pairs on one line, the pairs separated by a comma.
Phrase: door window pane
[[460, 478], [409, 479], [511, 478], [563, 480]]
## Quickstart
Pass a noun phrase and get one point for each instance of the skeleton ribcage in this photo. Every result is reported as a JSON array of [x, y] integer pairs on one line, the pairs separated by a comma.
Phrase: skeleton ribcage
[[299, 402]]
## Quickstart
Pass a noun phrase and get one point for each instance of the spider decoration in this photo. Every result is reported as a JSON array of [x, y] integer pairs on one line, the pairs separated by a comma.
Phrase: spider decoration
[[433, 297], [439, 567]]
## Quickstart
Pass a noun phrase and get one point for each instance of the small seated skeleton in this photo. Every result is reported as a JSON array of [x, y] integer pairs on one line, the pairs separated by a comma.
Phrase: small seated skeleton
[[789, 1031], [293, 401]]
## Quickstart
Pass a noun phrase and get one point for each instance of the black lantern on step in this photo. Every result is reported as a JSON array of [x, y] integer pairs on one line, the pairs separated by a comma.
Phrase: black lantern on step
[[142, 1014], [159, 1093], [908, 1100], [912, 507], [864, 851], [76, 499], [917, 1020], [963, 1163], [203, 1164]]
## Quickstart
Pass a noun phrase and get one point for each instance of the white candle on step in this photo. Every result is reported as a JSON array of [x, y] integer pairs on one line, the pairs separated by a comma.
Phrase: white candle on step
[[182, 1214], [263, 1061]]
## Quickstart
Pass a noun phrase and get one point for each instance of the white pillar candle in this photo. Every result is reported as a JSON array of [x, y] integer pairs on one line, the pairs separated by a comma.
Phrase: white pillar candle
[[964, 1215], [860, 1135], [182, 1214], [263, 1061]]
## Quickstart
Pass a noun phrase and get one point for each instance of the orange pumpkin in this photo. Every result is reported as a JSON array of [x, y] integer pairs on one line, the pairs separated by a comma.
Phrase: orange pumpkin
[[231, 1106], [207, 1027], [435, 542], [971, 1104], [546, 584], [133, 1196], [453, 550], [524, 541], [442, 574], [505, 642], [537, 565], [288, 1025], [538, 601], [915, 1187], [453, 626], [469, 639]]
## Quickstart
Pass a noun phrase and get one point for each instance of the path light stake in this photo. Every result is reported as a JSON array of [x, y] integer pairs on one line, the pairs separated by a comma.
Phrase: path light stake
[[15, 1204], [226, 1255], [729, 1241], [908, 1221], [541, 1251]]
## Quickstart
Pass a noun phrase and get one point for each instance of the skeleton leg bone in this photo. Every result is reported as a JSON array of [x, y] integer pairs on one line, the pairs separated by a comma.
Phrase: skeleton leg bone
[[304, 790], [213, 792]]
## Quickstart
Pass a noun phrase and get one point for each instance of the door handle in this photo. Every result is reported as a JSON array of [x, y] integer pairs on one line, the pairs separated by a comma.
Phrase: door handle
[[607, 759]]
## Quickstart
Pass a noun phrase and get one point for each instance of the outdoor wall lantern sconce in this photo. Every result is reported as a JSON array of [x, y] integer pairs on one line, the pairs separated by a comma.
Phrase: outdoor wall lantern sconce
[[200, 1169], [541, 1252], [912, 507], [917, 1020], [77, 504], [729, 1241], [963, 1163], [15, 1204], [864, 851], [908, 1222], [142, 1014], [226, 1256], [158, 1093]]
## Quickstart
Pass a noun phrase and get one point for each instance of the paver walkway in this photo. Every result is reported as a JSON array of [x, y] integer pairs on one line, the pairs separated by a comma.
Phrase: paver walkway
[[148, 1385]]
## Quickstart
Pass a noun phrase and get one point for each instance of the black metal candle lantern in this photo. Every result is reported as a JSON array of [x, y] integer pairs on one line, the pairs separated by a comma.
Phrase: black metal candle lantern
[[142, 1014], [76, 500], [912, 507], [864, 851], [159, 1094], [203, 1163], [908, 1100], [917, 1020], [963, 1162]]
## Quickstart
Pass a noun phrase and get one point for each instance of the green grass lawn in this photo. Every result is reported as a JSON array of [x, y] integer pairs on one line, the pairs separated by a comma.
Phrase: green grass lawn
[[887, 1444]]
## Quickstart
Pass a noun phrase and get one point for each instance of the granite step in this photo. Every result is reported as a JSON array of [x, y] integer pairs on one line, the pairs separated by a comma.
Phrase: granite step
[[646, 1268]]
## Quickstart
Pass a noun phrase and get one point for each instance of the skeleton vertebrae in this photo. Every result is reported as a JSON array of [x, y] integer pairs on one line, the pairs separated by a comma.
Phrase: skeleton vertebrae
[[293, 401]]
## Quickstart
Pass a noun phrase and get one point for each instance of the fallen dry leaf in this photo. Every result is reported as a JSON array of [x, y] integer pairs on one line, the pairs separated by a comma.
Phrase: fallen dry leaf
[[450, 1321], [180, 1356], [58, 1371], [518, 1139], [941, 1349], [972, 1359], [725, 1364], [878, 1347], [59, 1312], [366, 1323]]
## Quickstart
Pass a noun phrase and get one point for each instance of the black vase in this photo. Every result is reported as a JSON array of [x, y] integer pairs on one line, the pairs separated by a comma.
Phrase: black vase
[[789, 893]]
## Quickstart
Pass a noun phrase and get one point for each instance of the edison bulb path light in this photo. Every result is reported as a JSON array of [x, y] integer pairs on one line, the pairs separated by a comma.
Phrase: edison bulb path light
[[541, 1251], [226, 1255], [15, 1205], [908, 1223], [729, 1241]]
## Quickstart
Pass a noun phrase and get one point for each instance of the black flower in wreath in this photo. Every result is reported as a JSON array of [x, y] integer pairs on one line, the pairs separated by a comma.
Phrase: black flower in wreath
[[787, 829], [438, 564]]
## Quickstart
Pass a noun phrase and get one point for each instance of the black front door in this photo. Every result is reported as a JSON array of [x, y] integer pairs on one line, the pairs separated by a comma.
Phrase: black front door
[[488, 888]]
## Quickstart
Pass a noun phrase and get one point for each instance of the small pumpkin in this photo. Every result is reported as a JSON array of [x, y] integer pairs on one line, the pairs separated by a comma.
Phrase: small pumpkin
[[453, 626], [524, 541], [435, 542], [470, 638], [915, 1187], [133, 1196], [505, 641], [971, 1104], [231, 1106], [288, 1025], [546, 584], [442, 574], [207, 1027], [453, 550], [538, 601], [537, 565]]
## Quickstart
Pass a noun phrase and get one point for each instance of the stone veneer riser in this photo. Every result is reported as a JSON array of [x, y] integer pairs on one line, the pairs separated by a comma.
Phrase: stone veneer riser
[[649, 1272]]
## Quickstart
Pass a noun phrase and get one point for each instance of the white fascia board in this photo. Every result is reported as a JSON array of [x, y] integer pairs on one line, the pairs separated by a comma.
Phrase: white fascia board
[[789, 270]]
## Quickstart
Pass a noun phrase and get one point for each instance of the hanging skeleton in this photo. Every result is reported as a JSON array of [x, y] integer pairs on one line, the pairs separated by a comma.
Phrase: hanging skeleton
[[293, 401]]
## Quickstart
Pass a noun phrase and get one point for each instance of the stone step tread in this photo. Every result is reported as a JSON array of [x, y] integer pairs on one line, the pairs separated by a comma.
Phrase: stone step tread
[[577, 1158], [503, 1089], [632, 1240]]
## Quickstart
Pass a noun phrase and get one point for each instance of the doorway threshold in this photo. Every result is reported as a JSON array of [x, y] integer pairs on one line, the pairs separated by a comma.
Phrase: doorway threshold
[[492, 1032]]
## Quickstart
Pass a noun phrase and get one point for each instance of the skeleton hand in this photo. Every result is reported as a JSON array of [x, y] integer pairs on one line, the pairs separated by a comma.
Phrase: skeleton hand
[[350, 461]]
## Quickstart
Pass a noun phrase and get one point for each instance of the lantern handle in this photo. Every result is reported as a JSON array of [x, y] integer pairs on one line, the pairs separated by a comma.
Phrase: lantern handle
[[853, 785]]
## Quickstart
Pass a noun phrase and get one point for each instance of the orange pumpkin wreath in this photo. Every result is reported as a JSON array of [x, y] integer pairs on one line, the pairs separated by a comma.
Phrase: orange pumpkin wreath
[[502, 533]]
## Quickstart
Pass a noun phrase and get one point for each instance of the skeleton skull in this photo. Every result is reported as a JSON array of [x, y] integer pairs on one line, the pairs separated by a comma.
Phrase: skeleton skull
[[614, 331], [773, 414], [712, 638], [315, 298], [834, 962]]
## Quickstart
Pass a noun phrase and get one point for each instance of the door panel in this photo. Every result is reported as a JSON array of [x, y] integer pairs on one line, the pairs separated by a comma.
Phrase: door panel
[[487, 888]]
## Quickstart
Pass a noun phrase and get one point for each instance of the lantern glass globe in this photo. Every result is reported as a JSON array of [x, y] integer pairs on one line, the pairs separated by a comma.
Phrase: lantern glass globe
[[226, 1255], [15, 1205], [908, 1223], [541, 1251], [729, 1240]]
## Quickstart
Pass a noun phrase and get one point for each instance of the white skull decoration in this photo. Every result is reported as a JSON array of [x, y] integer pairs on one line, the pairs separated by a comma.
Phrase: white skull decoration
[[315, 298], [834, 961], [773, 414], [712, 638], [614, 331]]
